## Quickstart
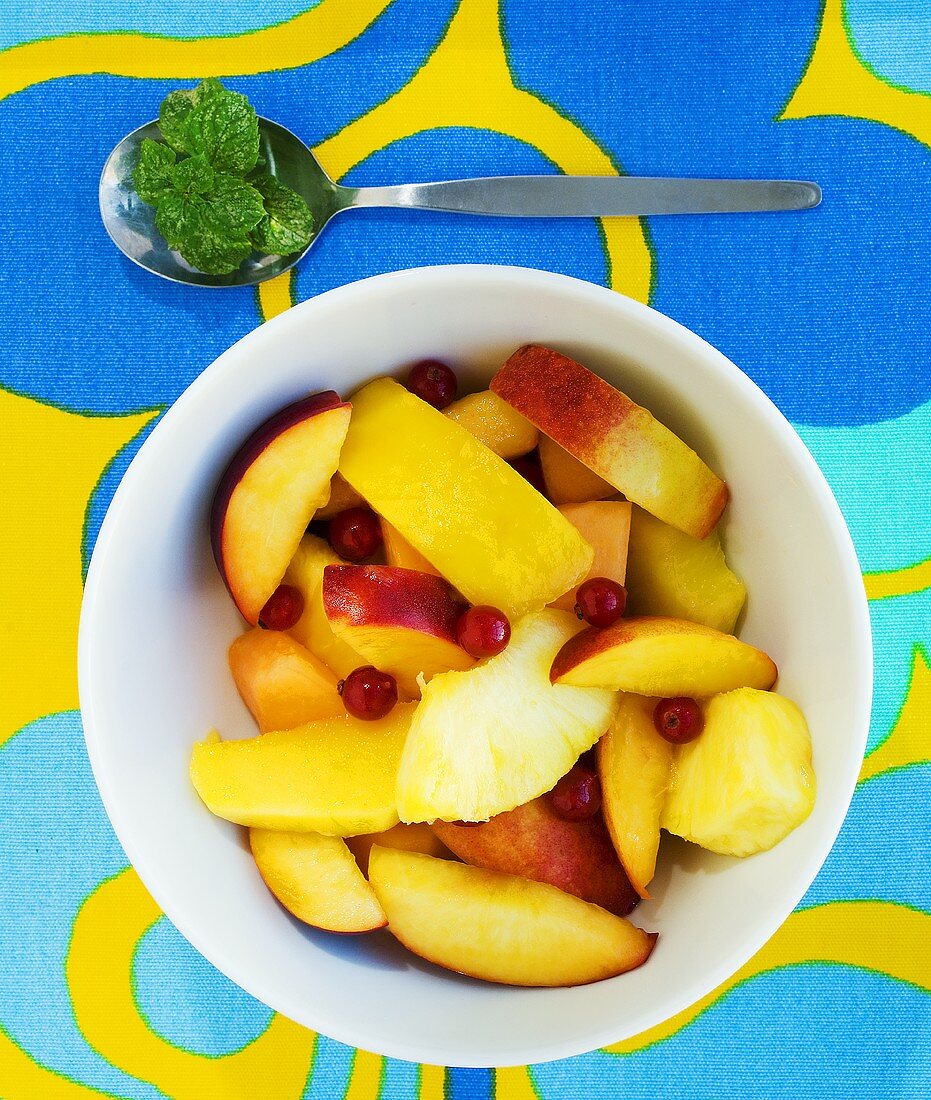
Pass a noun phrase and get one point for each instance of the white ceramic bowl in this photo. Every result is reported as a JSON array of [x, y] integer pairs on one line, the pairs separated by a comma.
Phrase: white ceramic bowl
[[157, 621]]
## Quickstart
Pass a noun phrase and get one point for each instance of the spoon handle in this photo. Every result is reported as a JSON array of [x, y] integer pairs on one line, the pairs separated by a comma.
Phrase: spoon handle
[[592, 196]]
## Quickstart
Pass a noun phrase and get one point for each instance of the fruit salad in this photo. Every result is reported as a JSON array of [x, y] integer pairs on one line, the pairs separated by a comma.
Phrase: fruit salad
[[491, 652]]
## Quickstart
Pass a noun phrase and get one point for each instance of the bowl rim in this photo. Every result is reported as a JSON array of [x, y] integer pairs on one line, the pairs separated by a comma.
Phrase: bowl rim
[[411, 279]]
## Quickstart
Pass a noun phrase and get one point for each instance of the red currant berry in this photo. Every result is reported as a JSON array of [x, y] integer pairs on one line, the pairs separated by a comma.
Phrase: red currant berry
[[368, 693], [483, 631], [282, 608], [577, 795], [678, 720], [529, 468], [355, 534], [600, 602], [433, 382]]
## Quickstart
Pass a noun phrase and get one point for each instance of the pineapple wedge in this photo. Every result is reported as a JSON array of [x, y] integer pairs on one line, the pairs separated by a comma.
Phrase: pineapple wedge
[[674, 574], [747, 781], [498, 735]]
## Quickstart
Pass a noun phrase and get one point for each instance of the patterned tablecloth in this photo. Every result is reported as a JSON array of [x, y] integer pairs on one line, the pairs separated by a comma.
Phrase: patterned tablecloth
[[829, 312]]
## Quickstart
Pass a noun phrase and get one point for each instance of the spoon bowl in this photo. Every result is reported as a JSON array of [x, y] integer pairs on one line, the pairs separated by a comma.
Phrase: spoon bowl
[[130, 222]]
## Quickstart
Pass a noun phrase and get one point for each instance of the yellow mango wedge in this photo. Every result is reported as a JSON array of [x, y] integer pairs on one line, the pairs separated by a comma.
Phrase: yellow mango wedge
[[483, 527], [501, 927], [317, 879], [336, 776]]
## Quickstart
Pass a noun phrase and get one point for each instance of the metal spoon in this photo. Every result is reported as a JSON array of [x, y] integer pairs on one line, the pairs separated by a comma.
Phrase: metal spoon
[[131, 222]]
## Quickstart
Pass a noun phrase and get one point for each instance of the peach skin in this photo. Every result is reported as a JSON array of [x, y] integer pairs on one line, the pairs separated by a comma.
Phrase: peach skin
[[535, 842], [613, 436], [400, 620]]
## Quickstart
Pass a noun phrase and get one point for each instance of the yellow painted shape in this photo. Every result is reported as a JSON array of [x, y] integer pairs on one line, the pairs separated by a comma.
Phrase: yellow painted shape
[[898, 582], [881, 936], [515, 1083], [98, 970], [307, 37], [365, 1077], [24, 1079], [467, 82], [432, 1083], [837, 82], [910, 739], [50, 462], [276, 295]]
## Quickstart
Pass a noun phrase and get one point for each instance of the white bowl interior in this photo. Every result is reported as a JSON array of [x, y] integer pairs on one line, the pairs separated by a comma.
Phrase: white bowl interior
[[157, 622]]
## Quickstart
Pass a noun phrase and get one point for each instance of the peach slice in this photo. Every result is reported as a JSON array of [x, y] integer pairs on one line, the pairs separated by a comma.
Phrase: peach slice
[[276, 481], [535, 842], [605, 524], [281, 682], [663, 657], [336, 776], [317, 879], [409, 838], [499, 927], [495, 423], [567, 480], [400, 553], [747, 781], [500, 734], [613, 436], [313, 629], [671, 573], [342, 496], [400, 620], [634, 763], [484, 528]]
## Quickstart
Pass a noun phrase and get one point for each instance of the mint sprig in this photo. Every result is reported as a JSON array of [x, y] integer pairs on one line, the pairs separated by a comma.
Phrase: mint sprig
[[204, 207]]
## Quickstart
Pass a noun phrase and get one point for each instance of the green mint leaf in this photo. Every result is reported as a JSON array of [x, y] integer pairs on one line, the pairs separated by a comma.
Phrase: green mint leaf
[[288, 224], [154, 170], [223, 127], [208, 217], [172, 118], [193, 176], [209, 87]]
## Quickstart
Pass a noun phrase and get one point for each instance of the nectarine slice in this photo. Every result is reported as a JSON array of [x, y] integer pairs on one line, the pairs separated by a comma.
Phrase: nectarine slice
[[499, 927], [634, 764], [313, 629], [672, 573], [567, 480], [484, 528], [281, 682], [269, 493], [336, 776], [662, 657], [495, 423], [400, 620], [746, 781], [613, 436], [535, 842], [317, 879], [605, 524], [491, 738], [409, 838]]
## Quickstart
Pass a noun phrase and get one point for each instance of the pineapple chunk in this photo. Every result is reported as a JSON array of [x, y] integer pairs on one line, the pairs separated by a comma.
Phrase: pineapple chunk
[[672, 573], [747, 781], [498, 735]]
